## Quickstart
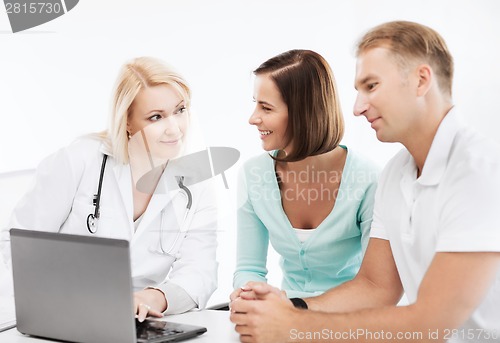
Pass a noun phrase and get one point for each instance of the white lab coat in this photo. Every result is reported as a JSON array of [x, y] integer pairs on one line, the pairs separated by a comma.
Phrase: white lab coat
[[61, 200]]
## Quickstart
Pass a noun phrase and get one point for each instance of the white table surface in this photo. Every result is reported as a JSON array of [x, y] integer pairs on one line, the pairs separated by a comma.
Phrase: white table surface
[[219, 328], [7, 312]]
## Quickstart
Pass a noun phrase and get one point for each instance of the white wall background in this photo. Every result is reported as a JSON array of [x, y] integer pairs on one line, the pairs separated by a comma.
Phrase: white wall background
[[56, 79]]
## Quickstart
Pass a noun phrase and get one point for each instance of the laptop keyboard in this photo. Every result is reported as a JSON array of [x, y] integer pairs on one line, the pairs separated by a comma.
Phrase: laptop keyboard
[[153, 329]]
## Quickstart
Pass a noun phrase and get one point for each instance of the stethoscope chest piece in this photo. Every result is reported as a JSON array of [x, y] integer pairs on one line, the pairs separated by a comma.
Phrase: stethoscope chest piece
[[92, 218], [92, 223]]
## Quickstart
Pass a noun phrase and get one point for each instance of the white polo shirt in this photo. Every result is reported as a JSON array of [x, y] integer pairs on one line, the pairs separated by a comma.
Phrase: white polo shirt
[[453, 206]]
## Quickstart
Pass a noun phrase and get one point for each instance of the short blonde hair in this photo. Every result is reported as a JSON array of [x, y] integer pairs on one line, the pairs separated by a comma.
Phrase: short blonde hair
[[409, 41], [138, 74]]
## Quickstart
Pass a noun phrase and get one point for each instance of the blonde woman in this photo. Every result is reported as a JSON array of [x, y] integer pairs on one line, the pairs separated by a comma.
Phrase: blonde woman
[[171, 227]]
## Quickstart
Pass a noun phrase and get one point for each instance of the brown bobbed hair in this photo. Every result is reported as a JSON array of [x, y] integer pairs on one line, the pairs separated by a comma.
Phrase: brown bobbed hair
[[307, 86]]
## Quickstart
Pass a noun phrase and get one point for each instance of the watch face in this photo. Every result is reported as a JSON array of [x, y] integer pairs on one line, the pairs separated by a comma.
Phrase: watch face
[[299, 303]]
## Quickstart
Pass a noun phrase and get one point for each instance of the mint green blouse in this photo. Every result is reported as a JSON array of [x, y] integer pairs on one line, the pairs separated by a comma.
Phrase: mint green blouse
[[330, 256]]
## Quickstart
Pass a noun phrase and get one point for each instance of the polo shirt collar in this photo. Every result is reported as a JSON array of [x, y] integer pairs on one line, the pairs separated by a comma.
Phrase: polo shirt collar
[[437, 158], [409, 173]]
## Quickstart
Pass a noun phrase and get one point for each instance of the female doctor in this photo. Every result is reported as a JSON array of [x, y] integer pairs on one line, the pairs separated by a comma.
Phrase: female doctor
[[117, 184]]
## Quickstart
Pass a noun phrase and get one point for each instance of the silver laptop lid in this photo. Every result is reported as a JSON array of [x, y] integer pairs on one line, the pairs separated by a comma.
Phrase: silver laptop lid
[[72, 288]]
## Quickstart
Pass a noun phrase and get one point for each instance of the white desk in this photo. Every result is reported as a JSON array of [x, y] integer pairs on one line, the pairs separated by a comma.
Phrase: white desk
[[219, 328]]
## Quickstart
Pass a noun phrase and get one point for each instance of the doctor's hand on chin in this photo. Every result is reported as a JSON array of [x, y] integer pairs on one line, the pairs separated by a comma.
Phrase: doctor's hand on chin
[[149, 302]]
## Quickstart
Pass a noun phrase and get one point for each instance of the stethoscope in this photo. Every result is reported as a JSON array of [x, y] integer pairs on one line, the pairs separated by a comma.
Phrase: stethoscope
[[183, 227], [93, 218]]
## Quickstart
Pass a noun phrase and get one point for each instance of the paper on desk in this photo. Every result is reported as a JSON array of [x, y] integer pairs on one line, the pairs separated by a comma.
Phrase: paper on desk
[[7, 313]]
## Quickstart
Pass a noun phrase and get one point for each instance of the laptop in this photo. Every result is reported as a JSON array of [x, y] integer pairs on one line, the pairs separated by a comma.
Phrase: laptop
[[79, 289]]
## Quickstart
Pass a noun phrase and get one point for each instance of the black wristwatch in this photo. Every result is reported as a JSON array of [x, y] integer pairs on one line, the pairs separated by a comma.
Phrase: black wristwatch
[[299, 303]]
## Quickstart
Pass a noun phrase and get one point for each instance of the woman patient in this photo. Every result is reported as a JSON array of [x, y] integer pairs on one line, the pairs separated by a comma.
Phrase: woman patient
[[311, 197]]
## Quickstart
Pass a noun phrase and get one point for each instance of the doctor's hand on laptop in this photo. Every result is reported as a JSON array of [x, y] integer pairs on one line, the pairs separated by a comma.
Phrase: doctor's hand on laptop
[[149, 302]]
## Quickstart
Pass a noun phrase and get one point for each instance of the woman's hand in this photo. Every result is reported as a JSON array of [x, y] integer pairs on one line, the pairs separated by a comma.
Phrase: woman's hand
[[236, 293], [149, 302], [252, 289]]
